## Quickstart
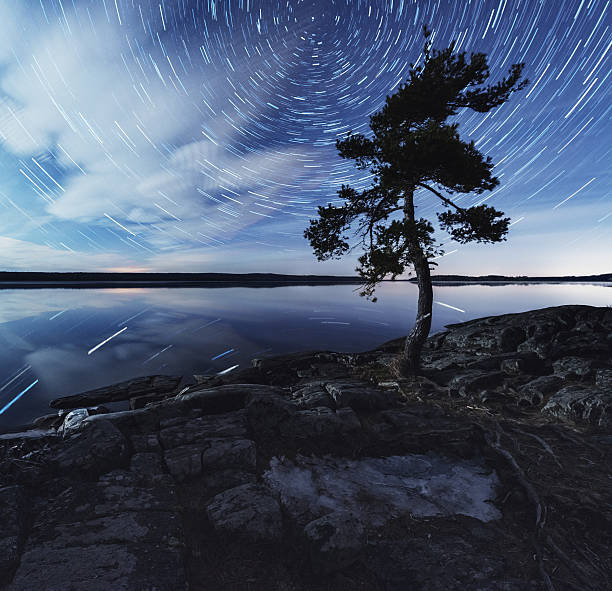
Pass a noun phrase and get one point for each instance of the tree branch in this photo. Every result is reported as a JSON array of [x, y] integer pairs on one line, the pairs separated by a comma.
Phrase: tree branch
[[438, 194], [367, 225], [386, 212]]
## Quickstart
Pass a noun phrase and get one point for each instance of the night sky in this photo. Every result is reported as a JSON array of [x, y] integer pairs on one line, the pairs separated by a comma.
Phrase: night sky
[[200, 135]]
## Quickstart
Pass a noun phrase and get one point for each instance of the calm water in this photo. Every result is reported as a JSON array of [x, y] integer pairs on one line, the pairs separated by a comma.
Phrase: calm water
[[46, 334]]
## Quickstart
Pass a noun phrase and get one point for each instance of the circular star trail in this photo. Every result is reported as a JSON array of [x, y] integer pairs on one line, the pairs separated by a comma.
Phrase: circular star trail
[[200, 135]]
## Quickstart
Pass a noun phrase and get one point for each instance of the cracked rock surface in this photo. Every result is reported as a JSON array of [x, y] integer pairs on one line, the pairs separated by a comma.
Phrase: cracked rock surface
[[322, 470]]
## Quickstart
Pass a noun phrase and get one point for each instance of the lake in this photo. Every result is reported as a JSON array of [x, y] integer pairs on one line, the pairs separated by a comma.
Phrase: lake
[[56, 342]]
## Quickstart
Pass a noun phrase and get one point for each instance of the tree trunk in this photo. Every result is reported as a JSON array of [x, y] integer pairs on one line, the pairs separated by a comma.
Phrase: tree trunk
[[409, 361]]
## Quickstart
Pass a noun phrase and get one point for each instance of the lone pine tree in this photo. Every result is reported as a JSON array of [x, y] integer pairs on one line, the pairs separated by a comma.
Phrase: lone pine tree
[[413, 147]]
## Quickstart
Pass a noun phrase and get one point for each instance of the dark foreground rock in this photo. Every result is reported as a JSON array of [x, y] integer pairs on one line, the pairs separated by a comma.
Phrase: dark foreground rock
[[321, 470], [132, 389]]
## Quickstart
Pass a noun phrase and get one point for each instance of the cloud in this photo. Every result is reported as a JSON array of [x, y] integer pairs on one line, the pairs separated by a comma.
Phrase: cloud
[[17, 255], [254, 256], [131, 136], [79, 92]]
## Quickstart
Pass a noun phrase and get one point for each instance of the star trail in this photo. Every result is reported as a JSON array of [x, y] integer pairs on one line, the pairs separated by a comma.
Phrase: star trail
[[200, 135]]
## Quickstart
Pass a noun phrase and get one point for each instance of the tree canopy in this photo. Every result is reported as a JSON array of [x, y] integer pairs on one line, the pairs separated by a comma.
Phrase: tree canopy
[[413, 146]]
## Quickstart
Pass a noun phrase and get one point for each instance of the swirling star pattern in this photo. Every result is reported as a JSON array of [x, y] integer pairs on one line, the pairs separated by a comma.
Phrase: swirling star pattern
[[200, 135]]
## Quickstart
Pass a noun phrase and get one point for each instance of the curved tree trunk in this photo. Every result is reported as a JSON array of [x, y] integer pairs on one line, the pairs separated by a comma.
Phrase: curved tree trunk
[[409, 360]]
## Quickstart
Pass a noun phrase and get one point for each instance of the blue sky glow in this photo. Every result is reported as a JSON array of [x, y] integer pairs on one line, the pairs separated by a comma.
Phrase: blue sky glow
[[198, 135]]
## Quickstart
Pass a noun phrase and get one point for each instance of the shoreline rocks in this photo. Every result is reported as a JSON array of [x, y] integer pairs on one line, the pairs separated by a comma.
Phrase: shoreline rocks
[[131, 389], [322, 470]]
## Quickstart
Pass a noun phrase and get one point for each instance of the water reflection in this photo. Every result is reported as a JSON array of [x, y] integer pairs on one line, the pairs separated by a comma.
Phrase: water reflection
[[46, 334]]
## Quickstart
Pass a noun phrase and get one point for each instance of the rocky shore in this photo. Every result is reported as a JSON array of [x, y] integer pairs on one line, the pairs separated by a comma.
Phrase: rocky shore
[[320, 470]]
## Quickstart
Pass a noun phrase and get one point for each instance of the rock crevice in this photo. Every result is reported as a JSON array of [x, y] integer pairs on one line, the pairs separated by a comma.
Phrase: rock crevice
[[322, 470]]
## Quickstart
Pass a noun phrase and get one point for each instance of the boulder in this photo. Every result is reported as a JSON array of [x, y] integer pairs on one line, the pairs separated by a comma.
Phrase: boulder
[[573, 367], [118, 392], [312, 395], [582, 403], [40, 435], [185, 461], [356, 395], [265, 413], [436, 361], [529, 363], [142, 401], [50, 421], [548, 332], [188, 461], [472, 382], [248, 510], [596, 346], [229, 453], [471, 337], [283, 370], [142, 420], [510, 338], [97, 449], [534, 391], [539, 345], [184, 432], [223, 399], [72, 421]]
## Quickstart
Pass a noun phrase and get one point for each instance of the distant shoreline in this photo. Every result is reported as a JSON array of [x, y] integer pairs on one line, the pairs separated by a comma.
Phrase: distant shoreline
[[78, 280], [605, 277], [33, 280]]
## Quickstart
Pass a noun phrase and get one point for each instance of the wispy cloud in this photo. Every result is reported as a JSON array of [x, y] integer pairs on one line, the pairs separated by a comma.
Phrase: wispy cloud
[[139, 142], [19, 255]]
